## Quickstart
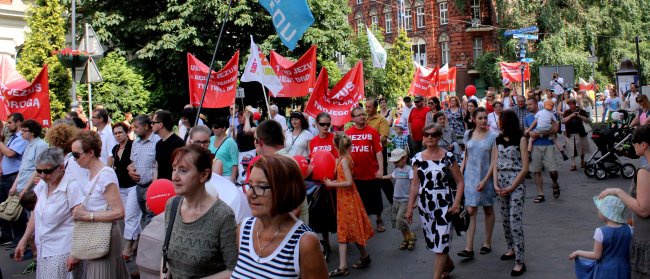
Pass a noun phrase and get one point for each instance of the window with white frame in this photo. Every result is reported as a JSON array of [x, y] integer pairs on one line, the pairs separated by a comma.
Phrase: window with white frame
[[419, 49], [420, 16], [476, 9], [388, 22], [408, 19], [374, 21], [443, 39], [477, 47], [444, 12]]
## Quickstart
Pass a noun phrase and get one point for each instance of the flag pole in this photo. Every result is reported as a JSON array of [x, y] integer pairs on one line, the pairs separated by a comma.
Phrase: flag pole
[[214, 55], [266, 100], [90, 89]]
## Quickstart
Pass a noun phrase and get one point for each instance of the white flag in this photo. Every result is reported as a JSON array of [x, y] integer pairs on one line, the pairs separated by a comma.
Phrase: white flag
[[377, 52], [259, 69]]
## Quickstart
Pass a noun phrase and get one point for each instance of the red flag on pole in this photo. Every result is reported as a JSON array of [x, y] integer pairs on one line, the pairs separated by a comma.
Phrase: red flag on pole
[[222, 88], [19, 96], [424, 82], [298, 78], [338, 102], [512, 71]]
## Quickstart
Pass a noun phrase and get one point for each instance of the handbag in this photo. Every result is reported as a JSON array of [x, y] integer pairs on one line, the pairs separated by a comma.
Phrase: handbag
[[587, 127], [460, 220], [91, 240], [10, 209]]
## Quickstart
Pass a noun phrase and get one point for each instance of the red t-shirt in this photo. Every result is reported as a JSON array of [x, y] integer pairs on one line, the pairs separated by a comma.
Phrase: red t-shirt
[[417, 119], [366, 143], [327, 144]]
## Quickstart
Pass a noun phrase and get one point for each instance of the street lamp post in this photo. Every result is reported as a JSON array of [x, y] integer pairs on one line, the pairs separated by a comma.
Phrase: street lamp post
[[73, 102]]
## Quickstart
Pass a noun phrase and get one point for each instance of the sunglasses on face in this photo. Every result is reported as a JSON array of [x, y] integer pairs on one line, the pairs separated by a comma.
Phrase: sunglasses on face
[[46, 171], [76, 155], [431, 103], [324, 124], [430, 134]]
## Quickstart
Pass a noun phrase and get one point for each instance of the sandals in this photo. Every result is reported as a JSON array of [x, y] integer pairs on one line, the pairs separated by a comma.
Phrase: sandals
[[485, 250], [573, 168], [556, 191], [380, 226], [339, 272], [466, 254], [404, 244], [411, 245], [539, 199], [362, 263]]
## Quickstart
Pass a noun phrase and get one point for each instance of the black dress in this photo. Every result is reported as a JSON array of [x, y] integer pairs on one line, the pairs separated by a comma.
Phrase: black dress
[[120, 165]]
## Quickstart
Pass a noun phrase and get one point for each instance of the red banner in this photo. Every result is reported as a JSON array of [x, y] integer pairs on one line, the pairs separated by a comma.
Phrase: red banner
[[584, 85], [298, 78], [31, 100], [424, 81], [222, 87], [447, 81], [341, 99], [512, 71]]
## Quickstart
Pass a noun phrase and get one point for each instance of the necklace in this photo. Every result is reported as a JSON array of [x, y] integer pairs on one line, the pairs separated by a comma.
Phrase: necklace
[[259, 243]]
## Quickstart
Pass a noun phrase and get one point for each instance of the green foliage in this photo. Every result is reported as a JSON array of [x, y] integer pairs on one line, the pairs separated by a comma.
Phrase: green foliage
[[399, 68], [159, 33], [47, 33], [488, 67], [374, 78], [122, 90]]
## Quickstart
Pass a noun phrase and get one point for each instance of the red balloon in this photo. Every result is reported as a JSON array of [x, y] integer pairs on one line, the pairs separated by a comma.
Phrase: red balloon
[[470, 90], [323, 164], [158, 193], [257, 115], [303, 164]]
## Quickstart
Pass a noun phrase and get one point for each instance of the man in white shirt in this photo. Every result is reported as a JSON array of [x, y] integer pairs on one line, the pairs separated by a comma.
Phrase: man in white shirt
[[630, 101], [406, 111], [101, 121], [508, 100], [557, 84], [273, 110]]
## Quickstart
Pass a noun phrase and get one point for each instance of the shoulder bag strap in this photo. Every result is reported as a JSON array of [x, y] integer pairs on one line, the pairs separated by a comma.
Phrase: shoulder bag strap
[[219, 147], [93, 188], [172, 217], [294, 140]]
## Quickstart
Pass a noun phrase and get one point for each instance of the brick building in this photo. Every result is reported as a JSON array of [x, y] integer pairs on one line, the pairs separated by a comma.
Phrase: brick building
[[452, 32]]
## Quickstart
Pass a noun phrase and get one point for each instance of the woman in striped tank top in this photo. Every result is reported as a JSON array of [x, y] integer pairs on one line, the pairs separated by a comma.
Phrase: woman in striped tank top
[[274, 243]]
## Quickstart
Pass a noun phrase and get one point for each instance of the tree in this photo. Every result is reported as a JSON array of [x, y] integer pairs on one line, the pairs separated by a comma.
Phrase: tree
[[46, 34], [374, 78], [159, 33], [121, 91], [399, 67]]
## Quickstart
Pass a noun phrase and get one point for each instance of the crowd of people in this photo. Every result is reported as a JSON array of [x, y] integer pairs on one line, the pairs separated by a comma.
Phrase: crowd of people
[[244, 208]]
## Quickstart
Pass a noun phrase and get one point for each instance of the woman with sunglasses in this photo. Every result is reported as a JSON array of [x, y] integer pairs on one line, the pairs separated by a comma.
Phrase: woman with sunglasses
[[204, 233], [480, 157], [432, 190], [274, 243], [119, 161], [103, 204], [51, 224], [225, 149], [434, 105], [296, 139], [323, 209]]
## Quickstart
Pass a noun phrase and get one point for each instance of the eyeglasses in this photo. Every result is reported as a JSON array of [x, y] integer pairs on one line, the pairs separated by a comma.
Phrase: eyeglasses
[[434, 134], [201, 142], [47, 171], [258, 190], [155, 122], [363, 114], [431, 103], [76, 155], [324, 124]]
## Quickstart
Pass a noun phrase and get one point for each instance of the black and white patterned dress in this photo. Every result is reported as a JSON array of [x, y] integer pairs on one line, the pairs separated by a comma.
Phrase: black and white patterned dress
[[434, 200], [509, 165]]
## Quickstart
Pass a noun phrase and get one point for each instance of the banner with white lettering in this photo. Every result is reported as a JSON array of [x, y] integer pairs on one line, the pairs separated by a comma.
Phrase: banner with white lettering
[[512, 71], [447, 79], [291, 18], [424, 81], [298, 78], [31, 100], [259, 69], [222, 87], [338, 102]]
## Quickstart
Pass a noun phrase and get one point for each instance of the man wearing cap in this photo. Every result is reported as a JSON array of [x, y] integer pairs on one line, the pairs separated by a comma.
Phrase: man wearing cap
[[379, 123], [368, 164], [417, 119]]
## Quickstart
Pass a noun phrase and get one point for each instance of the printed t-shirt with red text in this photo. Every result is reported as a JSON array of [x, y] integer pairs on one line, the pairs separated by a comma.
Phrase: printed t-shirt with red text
[[366, 143], [326, 144], [417, 119]]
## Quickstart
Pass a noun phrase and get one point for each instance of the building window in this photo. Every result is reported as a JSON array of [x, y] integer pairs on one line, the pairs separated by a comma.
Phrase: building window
[[374, 21], [359, 25], [478, 47], [444, 51], [476, 9], [420, 52], [443, 13], [388, 19], [340, 59], [408, 19], [420, 17]]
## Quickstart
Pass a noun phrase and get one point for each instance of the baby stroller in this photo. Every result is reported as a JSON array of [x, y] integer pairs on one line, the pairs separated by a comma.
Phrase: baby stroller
[[611, 144]]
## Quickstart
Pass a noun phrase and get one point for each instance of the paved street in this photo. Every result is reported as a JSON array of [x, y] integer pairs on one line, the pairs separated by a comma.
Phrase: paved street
[[552, 229]]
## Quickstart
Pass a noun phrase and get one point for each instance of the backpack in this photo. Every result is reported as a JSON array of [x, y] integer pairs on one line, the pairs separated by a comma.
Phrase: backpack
[[150, 248]]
